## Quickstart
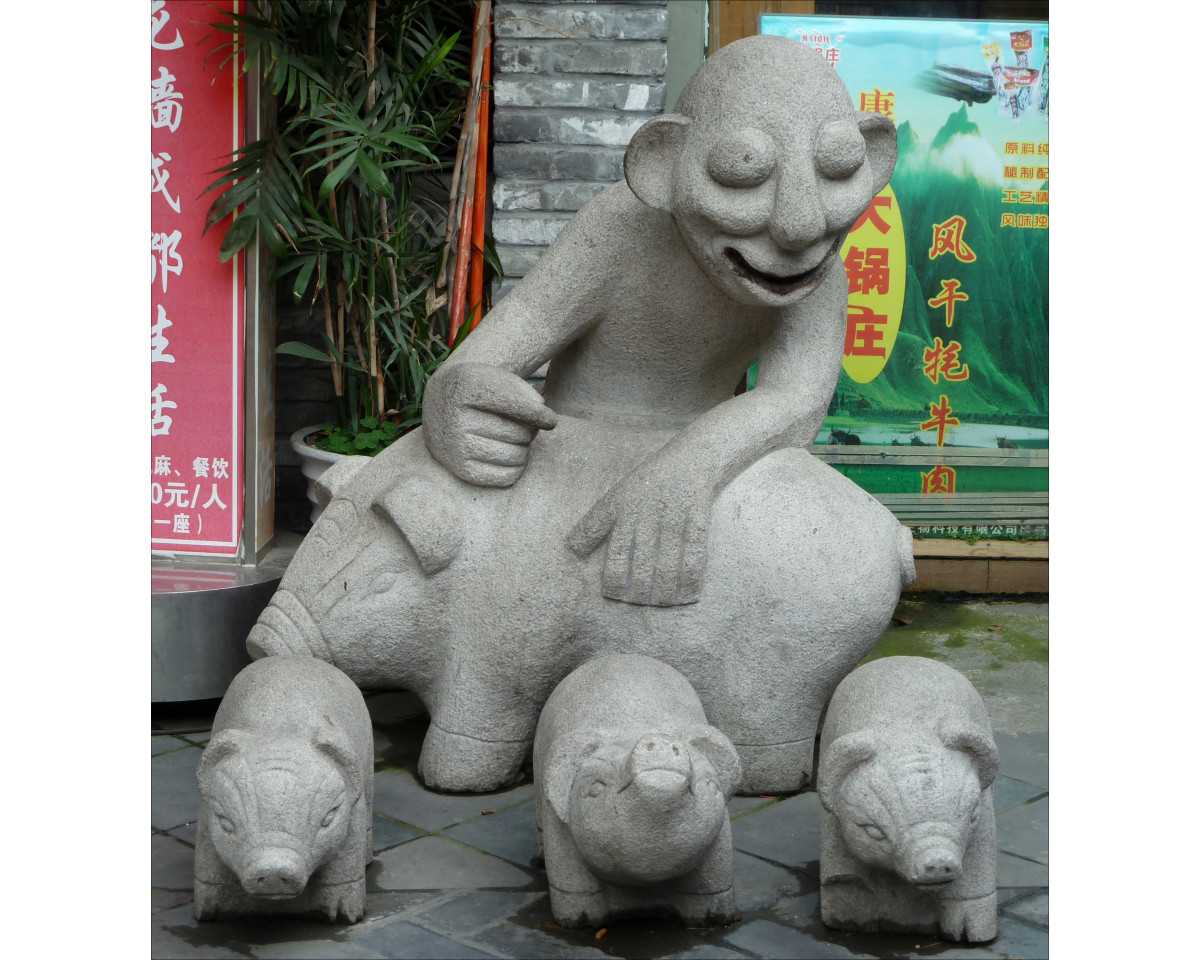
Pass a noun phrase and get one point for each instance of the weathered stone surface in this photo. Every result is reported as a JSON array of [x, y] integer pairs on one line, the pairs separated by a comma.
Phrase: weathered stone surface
[[601, 127], [631, 790], [636, 506], [908, 829], [285, 785], [602, 21], [643, 58], [554, 162], [563, 195]]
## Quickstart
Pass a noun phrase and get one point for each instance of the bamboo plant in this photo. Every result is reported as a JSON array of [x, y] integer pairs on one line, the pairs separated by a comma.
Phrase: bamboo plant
[[348, 190]]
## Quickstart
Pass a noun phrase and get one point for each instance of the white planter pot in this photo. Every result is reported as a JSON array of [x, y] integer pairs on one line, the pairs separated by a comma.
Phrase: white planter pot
[[313, 463]]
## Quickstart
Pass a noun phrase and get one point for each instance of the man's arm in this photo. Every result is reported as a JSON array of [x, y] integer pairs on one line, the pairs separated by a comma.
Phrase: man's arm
[[656, 518]]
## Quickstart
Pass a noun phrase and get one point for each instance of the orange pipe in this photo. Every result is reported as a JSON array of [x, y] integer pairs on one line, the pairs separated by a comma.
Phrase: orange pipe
[[476, 287]]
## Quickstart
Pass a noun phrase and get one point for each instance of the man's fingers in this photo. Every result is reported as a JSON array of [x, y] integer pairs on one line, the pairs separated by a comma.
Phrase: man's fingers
[[511, 397], [489, 474], [495, 451], [590, 532]]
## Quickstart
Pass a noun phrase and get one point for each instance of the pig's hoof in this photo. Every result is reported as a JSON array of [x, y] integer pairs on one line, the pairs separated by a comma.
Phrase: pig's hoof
[[457, 763], [775, 768], [707, 909], [573, 910], [970, 920]]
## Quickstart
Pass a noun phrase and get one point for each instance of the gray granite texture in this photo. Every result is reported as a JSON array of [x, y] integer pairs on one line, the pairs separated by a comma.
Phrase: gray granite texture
[[637, 506], [285, 795], [631, 790], [908, 828]]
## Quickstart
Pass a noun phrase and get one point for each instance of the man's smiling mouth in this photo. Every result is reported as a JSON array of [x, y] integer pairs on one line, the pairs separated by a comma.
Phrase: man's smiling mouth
[[780, 286]]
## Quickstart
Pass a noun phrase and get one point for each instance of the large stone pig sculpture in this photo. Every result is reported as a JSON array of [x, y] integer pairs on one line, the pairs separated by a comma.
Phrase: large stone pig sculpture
[[908, 830], [631, 791], [286, 791], [470, 597]]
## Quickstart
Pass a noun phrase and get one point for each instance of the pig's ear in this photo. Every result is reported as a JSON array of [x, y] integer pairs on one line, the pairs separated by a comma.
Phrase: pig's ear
[[331, 483], [333, 743], [975, 742], [562, 765], [720, 753], [426, 518], [839, 760], [650, 159], [224, 743]]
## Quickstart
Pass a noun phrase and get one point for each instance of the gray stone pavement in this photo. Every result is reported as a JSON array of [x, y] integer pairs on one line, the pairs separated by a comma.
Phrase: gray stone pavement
[[453, 874]]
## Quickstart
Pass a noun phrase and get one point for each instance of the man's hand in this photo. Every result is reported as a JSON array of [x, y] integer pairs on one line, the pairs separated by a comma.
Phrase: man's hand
[[656, 523], [479, 421]]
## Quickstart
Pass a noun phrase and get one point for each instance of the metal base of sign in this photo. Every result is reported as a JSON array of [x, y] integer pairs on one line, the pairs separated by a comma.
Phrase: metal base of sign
[[200, 615]]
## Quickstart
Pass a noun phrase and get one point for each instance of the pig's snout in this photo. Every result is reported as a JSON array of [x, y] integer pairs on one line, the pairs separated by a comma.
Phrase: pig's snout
[[276, 873], [659, 770], [286, 628], [934, 860]]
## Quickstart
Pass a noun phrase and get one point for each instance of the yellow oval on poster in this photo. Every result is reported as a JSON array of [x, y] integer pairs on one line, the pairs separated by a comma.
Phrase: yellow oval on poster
[[874, 255]]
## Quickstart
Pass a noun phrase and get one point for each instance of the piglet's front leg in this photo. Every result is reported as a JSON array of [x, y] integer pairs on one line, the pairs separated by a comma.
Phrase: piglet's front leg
[[971, 920]]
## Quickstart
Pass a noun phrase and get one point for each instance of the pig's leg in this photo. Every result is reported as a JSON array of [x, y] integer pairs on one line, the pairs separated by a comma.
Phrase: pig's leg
[[577, 897], [704, 896], [338, 902], [481, 726], [968, 907]]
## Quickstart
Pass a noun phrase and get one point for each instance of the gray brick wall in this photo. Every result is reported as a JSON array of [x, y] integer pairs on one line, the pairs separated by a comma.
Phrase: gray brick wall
[[565, 109]]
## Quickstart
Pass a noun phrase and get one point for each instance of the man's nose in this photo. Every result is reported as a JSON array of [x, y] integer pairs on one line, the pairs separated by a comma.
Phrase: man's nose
[[798, 219]]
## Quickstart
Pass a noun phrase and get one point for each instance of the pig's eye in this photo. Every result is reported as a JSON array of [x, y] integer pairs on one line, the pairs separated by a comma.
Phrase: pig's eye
[[330, 815], [873, 831], [383, 583], [743, 159], [596, 789], [840, 149], [226, 824]]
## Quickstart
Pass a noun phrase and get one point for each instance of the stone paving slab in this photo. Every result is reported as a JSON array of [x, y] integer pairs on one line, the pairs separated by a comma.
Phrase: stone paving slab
[[787, 832], [1008, 793], [1016, 872], [164, 744], [473, 910], [386, 834], [404, 939], [316, 950], [1033, 910], [399, 795], [765, 938], [758, 884], [511, 833], [435, 863], [1019, 940], [174, 794], [1025, 756], [172, 865], [1024, 831]]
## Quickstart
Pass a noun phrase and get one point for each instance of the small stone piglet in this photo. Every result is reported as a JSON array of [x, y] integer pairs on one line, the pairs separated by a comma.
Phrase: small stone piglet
[[908, 830], [632, 784], [286, 792]]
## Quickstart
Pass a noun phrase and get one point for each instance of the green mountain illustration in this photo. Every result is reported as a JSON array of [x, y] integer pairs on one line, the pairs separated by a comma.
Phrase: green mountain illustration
[[1002, 328]]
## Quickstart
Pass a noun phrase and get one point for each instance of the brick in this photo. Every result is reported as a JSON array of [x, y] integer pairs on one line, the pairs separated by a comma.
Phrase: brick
[[558, 195], [569, 92], [527, 229], [590, 128], [640, 58], [591, 22], [538, 162], [517, 260]]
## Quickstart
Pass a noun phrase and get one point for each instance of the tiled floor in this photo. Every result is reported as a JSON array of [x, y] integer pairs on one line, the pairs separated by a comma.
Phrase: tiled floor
[[453, 877]]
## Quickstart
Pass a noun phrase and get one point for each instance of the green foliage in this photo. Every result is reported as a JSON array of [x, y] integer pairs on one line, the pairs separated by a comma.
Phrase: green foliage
[[348, 189], [373, 436]]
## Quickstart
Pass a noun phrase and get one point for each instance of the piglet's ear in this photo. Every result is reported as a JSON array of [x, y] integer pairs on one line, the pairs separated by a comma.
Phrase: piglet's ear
[[562, 766], [650, 159], [975, 742], [333, 743], [720, 753], [880, 134], [840, 759], [426, 518], [223, 744]]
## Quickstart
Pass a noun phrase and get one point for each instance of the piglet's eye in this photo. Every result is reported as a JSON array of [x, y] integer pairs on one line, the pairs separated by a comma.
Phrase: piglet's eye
[[840, 149], [596, 789], [328, 819], [742, 159], [873, 831]]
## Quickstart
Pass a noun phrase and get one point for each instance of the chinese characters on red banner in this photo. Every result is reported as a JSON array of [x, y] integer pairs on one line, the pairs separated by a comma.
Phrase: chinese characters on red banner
[[197, 303]]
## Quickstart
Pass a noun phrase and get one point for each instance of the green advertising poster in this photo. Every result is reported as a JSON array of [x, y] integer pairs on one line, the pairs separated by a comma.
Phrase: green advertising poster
[[941, 409]]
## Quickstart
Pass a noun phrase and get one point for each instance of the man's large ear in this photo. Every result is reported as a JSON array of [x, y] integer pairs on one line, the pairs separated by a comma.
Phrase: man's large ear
[[650, 159], [880, 134]]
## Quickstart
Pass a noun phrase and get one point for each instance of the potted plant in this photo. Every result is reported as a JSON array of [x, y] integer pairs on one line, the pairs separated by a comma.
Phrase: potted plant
[[349, 192]]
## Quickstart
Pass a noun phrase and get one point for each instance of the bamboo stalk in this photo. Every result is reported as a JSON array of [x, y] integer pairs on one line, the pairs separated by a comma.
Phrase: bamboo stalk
[[475, 288]]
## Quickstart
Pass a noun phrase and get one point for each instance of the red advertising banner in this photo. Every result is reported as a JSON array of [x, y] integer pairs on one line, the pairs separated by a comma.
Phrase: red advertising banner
[[197, 303]]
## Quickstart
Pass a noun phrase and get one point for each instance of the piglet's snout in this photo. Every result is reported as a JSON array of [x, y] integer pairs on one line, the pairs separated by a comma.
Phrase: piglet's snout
[[275, 872], [934, 860], [659, 770]]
